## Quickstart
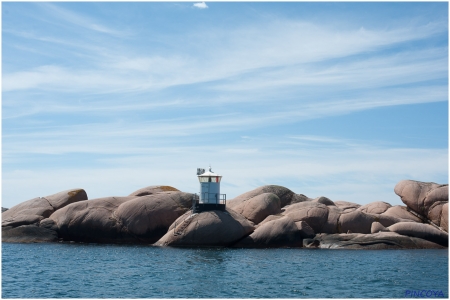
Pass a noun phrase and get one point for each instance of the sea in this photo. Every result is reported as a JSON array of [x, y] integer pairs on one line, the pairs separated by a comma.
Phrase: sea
[[71, 270]]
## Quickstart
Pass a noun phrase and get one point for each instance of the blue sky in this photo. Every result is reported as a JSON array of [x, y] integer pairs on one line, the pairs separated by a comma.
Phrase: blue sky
[[341, 100]]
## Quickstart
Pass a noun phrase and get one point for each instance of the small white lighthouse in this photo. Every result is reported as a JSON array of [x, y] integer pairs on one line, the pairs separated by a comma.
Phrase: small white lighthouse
[[210, 196]]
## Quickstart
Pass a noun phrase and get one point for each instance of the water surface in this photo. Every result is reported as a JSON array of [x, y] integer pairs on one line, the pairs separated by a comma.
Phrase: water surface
[[62, 270]]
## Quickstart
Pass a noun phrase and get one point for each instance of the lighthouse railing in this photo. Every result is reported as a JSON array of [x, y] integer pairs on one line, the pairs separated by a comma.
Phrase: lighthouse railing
[[219, 203], [216, 198]]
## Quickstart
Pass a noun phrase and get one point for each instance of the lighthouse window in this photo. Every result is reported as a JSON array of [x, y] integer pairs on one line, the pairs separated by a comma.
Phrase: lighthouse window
[[209, 178]]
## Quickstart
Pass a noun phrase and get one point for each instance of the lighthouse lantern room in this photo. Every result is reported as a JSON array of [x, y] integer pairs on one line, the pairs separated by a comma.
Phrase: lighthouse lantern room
[[210, 197]]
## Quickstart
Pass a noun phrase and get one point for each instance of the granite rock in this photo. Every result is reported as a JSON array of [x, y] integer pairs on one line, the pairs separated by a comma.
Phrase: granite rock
[[313, 213], [377, 207], [34, 210], [376, 241], [256, 209], [425, 198], [28, 234], [153, 189], [278, 233], [209, 228], [285, 195]]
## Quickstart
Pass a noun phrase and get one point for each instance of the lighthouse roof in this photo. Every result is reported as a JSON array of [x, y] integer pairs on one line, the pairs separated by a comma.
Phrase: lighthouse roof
[[209, 173]]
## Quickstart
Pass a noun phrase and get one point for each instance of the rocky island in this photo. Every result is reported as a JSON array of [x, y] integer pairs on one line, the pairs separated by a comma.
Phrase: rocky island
[[268, 216]]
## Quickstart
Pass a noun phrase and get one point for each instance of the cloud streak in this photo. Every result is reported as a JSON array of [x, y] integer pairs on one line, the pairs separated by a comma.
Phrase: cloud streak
[[115, 103]]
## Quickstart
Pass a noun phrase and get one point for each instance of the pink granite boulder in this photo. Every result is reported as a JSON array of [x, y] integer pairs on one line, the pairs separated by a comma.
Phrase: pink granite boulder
[[313, 213], [279, 233], [324, 200], [34, 210], [420, 230], [285, 195], [377, 207], [131, 219], [257, 208], [425, 198], [355, 222], [90, 220], [378, 227], [209, 228], [444, 217], [149, 217], [347, 206], [401, 212], [153, 189], [332, 223], [376, 241]]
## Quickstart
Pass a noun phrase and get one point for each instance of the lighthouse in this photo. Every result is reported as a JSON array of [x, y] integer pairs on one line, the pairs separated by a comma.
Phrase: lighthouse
[[210, 197]]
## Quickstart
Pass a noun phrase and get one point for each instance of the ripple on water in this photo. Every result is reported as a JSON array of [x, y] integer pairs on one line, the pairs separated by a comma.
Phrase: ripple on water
[[117, 271]]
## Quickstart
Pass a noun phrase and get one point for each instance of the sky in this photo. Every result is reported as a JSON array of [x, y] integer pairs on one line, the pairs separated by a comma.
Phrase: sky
[[341, 100]]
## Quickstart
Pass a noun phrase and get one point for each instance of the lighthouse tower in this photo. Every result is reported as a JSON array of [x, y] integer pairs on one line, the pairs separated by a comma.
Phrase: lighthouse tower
[[210, 197]]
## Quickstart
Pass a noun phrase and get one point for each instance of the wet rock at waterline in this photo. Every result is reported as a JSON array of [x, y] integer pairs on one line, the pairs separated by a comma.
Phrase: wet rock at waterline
[[269, 216], [375, 241], [28, 234]]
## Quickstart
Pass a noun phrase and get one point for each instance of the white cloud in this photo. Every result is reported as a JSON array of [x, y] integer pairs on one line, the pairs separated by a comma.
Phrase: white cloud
[[136, 117], [201, 5], [359, 174]]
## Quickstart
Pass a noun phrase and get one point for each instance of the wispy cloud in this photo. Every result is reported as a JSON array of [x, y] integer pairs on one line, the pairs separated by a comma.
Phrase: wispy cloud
[[88, 103], [354, 173], [280, 44], [80, 20]]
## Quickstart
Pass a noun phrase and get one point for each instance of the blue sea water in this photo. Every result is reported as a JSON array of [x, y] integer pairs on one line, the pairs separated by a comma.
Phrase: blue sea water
[[62, 270]]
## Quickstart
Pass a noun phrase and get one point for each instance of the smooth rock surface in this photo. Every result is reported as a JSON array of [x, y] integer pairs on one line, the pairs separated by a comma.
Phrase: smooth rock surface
[[148, 217], [376, 241], [313, 213], [256, 209], [347, 206], [132, 219], [36, 209], [355, 222], [286, 195], [425, 198], [28, 234], [153, 189], [444, 217], [92, 221], [377, 207], [28, 212], [209, 228], [324, 200], [332, 223], [401, 212], [420, 230], [279, 233], [61, 199], [378, 227]]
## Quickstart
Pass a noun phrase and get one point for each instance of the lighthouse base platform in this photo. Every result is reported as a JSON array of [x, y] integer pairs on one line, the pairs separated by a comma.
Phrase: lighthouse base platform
[[199, 207]]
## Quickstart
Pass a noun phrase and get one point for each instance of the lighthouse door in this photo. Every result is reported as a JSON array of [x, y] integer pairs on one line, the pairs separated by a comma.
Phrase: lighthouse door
[[205, 192]]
